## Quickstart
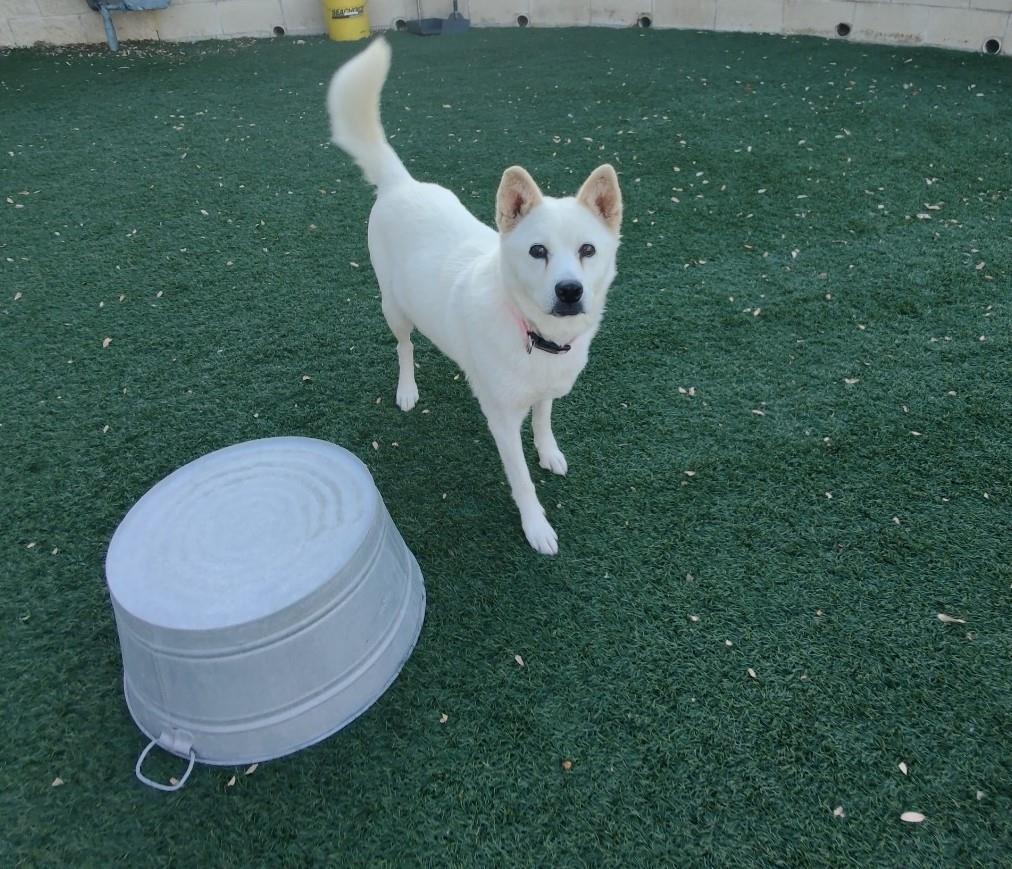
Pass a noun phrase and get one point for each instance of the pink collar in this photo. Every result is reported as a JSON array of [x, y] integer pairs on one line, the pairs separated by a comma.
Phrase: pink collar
[[532, 339]]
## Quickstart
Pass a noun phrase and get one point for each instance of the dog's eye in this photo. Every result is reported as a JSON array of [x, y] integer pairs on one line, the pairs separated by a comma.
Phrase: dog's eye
[[539, 251], [587, 250]]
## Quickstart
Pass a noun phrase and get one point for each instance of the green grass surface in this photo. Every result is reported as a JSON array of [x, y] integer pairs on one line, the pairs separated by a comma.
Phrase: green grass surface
[[818, 329]]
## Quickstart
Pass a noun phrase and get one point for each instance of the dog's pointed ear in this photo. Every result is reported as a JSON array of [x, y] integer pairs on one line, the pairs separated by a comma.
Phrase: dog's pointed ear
[[517, 195], [601, 194]]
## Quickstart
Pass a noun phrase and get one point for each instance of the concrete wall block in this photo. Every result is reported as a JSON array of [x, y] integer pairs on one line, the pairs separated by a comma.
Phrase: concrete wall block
[[889, 22], [993, 5], [383, 13], [953, 4], [249, 17], [6, 34], [63, 7], [687, 14], [187, 23], [618, 13], [301, 17], [560, 13], [753, 16], [19, 9], [58, 29], [133, 26], [953, 28], [817, 17], [498, 13]]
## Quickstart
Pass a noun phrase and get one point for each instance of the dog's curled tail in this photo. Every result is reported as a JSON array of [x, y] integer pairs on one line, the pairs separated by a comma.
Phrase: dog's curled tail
[[354, 105]]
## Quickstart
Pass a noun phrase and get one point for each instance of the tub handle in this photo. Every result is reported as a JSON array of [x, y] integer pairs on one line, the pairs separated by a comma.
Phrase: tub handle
[[176, 744]]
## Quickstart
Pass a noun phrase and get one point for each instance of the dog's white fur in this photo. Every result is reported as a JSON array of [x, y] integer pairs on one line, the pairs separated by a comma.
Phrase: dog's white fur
[[475, 292]]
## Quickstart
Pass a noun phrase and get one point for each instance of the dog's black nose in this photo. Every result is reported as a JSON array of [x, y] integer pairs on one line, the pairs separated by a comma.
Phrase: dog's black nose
[[569, 291]]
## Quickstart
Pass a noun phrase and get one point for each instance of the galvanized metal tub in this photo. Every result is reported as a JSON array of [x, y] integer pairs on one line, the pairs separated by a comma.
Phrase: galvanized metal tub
[[263, 598]]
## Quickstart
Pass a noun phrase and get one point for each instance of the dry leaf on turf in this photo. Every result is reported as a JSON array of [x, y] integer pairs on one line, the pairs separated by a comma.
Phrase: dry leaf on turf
[[903, 768], [444, 718], [912, 817], [838, 812], [173, 781], [106, 342], [252, 768], [567, 765], [519, 660], [230, 782], [57, 782], [950, 620], [751, 673]]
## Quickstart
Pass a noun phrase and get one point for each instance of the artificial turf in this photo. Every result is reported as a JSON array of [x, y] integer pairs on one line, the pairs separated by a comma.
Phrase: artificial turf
[[789, 453]]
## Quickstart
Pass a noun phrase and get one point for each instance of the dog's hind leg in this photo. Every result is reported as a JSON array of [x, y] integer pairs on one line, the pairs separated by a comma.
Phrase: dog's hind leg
[[401, 326], [550, 456], [505, 428]]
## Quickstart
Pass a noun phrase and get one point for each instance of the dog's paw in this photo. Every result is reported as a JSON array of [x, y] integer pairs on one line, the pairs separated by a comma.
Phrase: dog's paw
[[554, 461], [407, 397], [541, 535]]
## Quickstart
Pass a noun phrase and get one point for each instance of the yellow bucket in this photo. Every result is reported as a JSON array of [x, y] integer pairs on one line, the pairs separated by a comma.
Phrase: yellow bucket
[[346, 20]]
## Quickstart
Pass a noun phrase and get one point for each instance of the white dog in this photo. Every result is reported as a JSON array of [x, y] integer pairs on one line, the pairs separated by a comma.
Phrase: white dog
[[516, 310]]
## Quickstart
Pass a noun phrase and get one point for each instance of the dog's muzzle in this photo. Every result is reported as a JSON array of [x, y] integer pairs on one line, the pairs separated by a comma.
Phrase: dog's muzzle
[[567, 299]]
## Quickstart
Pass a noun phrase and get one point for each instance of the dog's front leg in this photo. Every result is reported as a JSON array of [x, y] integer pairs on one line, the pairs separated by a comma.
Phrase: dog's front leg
[[505, 427], [549, 455]]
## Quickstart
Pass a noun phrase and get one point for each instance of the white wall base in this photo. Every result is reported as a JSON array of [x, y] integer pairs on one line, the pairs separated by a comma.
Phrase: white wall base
[[960, 24]]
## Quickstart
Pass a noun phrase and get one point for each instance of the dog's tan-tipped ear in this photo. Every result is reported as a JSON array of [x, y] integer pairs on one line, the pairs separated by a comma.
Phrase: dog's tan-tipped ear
[[601, 194], [517, 195]]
